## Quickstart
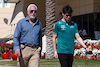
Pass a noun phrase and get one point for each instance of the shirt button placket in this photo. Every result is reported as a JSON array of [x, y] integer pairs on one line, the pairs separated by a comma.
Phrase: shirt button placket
[[33, 37]]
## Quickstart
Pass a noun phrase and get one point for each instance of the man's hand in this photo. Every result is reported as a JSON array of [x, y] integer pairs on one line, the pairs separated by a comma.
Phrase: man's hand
[[55, 55], [17, 52], [88, 50]]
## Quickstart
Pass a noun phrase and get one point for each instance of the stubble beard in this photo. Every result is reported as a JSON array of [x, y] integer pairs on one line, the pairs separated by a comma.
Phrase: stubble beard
[[32, 17], [67, 20]]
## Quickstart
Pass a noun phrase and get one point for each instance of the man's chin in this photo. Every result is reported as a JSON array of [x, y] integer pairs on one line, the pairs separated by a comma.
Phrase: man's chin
[[32, 17]]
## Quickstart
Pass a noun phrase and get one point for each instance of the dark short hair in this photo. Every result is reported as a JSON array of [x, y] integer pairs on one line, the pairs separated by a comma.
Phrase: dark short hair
[[67, 9]]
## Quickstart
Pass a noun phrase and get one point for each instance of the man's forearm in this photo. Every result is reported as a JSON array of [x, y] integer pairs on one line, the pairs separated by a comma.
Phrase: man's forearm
[[54, 45], [81, 42]]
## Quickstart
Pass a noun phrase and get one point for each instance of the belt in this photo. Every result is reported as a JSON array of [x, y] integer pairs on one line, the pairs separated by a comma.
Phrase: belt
[[32, 46]]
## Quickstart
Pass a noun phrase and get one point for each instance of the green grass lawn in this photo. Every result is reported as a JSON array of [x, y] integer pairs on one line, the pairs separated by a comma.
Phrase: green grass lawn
[[55, 63]]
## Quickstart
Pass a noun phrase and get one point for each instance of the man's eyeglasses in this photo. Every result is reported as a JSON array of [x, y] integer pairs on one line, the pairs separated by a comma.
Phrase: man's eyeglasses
[[68, 15], [31, 11]]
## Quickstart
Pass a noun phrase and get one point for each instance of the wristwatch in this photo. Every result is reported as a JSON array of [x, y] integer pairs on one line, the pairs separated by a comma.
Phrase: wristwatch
[[86, 47]]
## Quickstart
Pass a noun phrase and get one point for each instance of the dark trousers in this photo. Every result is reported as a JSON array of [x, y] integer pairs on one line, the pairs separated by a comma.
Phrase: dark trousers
[[66, 60]]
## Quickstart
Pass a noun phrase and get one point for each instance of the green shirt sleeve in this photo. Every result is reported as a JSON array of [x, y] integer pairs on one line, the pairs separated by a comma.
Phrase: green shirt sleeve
[[55, 28], [76, 27]]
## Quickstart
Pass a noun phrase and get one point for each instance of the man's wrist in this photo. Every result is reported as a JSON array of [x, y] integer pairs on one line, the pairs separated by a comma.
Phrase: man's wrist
[[55, 52], [86, 47]]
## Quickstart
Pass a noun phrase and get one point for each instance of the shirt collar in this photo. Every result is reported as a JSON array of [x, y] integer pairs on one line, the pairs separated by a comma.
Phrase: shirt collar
[[26, 18], [35, 22], [69, 23]]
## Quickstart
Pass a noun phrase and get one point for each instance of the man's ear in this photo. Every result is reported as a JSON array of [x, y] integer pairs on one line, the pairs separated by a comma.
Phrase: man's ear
[[27, 12], [62, 14]]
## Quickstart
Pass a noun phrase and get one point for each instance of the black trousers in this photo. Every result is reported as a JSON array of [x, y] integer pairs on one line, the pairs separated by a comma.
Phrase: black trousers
[[66, 60]]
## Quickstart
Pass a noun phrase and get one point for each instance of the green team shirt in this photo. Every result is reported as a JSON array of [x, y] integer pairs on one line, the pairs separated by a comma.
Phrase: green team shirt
[[65, 36]]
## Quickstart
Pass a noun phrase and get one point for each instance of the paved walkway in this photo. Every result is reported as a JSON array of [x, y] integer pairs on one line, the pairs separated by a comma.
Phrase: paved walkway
[[5, 65]]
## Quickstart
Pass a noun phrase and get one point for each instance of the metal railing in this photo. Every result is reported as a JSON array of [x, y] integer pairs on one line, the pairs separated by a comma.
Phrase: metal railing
[[43, 30], [7, 38]]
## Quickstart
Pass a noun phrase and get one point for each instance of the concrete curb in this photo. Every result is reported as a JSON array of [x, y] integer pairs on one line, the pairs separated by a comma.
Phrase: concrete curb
[[6, 66]]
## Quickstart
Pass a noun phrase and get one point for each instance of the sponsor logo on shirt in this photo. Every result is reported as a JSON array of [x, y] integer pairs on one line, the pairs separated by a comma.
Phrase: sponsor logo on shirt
[[71, 26], [63, 27]]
